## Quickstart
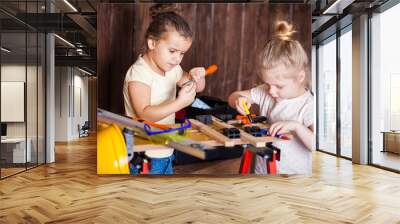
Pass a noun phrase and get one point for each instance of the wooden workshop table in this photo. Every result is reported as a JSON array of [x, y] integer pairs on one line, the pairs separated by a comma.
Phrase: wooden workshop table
[[209, 135]]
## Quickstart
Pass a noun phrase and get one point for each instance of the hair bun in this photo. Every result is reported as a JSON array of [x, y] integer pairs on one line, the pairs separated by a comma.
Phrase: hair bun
[[284, 31], [158, 9]]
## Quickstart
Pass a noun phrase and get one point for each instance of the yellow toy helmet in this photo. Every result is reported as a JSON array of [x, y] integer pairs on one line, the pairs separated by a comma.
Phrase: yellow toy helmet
[[111, 150]]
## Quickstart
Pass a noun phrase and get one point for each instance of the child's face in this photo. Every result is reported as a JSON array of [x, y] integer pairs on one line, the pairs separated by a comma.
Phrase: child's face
[[168, 51], [284, 83]]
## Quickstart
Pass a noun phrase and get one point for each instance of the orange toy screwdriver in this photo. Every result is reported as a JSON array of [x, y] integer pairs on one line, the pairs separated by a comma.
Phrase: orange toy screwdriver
[[210, 70]]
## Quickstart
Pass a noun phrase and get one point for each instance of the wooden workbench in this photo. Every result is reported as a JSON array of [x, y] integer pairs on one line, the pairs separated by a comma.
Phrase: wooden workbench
[[209, 135]]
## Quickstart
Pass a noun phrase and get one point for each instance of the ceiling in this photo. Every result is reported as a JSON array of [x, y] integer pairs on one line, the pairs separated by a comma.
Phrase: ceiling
[[75, 22], [72, 20]]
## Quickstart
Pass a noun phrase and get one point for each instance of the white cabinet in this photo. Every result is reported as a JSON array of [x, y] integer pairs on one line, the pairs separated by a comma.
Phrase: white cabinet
[[17, 147]]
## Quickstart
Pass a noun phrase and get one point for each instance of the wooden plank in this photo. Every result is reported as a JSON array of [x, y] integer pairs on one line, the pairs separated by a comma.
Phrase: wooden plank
[[189, 13], [115, 53], [218, 139], [246, 137], [304, 34], [202, 44], [146, 145], [227, 142], [142, 148], [198, 153], [233, 48], [266, 126], [183, 144], [201, 154], [249, 50]]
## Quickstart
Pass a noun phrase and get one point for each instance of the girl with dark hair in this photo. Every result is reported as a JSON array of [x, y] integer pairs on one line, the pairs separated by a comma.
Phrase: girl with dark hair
[[150, 83]]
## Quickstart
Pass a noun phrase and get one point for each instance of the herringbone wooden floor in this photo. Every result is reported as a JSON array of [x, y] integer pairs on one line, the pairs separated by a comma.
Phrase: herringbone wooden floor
[[70, 191]]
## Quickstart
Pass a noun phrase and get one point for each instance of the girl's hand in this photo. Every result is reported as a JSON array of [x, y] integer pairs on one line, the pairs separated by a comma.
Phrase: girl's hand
[[196, 74], [239, 104], [187, 94], [283, 127]]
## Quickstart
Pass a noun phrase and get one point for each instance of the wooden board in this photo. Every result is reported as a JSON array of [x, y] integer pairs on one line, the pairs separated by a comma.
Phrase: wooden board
[[246, 137], [210, 136], [218, 136], [171, 140]]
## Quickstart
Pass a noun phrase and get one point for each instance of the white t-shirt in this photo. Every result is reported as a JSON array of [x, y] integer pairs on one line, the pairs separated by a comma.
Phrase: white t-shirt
[[295, 157], [163, 89]]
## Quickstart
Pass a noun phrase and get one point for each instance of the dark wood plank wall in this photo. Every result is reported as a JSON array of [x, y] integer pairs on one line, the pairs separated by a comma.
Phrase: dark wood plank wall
[[92, 83], [228, 35], [115, 41]]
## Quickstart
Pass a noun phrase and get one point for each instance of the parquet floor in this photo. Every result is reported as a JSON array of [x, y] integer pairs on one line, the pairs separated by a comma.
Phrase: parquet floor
[[70, 191]]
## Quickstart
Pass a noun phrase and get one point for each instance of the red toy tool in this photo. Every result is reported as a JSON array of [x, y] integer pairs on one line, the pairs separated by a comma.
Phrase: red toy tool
[[245, 119]]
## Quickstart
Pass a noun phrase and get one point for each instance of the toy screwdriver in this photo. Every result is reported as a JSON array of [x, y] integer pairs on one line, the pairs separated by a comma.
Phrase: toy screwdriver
[[210, 70], [246, 109]]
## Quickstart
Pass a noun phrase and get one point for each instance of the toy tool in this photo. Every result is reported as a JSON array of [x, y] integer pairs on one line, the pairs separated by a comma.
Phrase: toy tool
[[247, 111], [210, 70]]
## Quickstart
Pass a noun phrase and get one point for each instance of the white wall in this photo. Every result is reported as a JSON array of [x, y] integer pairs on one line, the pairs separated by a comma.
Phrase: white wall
[[61, 103], [71, 93], [13, 73], [33, 127], [10, 73], [80, 84]]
